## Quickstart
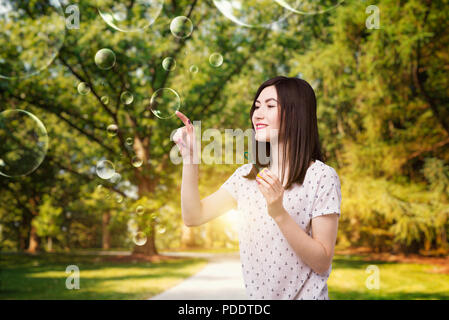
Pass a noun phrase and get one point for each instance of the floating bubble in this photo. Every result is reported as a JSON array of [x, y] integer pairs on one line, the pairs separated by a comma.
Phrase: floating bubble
[[105, 59], [23, 143], [119, 198], [140, 210], [32, 33], [256, 13], [105, 169], [164, 103], [181, 27], [309, 6], [140, 238], [193, 69], [116, 177], [136, 162], [105, 99], [112, 130], [169, 64], [129, 141], [162, 230], [83, 88], [216, 59], [126, 97], [129, 15]]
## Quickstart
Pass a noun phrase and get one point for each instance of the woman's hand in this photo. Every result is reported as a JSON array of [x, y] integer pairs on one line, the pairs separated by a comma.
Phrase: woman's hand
[[185, 139], [273, 191]]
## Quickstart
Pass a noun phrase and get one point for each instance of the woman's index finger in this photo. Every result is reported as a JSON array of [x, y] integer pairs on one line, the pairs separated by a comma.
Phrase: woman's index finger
[[183, 118]]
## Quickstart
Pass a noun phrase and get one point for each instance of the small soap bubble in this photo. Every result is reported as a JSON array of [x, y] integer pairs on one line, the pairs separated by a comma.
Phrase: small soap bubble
[[216, 59], [193, 69], [162, 230], [105, 59], [140, 238], [181, 27], [140, 210], [136, 162], [83, 88], [119, 198], [112, 130], [105, 169], [116, 177], [129, 141], [126, 97], [169, 64], [105, 99]]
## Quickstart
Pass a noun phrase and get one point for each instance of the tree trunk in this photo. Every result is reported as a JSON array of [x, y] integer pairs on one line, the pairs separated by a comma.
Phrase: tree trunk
[[49, 244], [106, 237], [149, 248], [34, 244]]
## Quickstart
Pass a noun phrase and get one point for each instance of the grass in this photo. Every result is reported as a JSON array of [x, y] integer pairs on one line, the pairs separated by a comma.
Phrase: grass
[[44, 277], [404, 281]]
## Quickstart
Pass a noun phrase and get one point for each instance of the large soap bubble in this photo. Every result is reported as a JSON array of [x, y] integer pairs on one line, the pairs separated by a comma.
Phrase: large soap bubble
[[309, 6], [23, 143], [164, 103], [32, 33], [105, 169], [129, 15], [181, 27], [253, 13]]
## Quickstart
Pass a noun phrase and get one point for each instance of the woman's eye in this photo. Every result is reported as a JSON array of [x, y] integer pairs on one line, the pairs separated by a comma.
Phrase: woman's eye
[[256, 107], [271, 106]]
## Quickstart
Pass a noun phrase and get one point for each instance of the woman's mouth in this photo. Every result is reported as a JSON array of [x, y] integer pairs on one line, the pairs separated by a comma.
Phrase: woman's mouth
[[261, 126]]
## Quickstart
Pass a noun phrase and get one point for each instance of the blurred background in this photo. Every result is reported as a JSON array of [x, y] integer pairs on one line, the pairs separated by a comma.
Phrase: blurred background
[[88, 91]]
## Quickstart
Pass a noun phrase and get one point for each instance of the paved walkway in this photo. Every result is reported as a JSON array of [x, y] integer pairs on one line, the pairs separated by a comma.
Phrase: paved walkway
[[220, 279]]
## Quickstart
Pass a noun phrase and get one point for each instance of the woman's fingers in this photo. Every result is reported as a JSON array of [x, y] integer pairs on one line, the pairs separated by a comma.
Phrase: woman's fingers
[[184, 119]]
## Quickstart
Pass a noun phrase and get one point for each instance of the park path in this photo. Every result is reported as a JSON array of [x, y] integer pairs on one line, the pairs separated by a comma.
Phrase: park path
[[220, 279]]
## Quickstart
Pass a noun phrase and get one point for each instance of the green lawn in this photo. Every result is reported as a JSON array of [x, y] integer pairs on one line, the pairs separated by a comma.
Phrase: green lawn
[[44, 277], [405, 281]]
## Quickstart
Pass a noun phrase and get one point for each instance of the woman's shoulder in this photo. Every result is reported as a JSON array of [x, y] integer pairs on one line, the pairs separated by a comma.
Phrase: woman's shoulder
[[324, 171]]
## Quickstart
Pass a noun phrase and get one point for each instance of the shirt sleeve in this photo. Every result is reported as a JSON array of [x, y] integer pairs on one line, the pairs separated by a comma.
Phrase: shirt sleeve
[[233, 183], [328, 197]]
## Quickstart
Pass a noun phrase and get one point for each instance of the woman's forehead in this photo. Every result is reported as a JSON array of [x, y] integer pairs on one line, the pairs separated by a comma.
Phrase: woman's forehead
[[267, 93]]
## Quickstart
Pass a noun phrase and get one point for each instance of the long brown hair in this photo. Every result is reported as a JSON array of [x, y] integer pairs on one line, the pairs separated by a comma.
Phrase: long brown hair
[[298, 130]]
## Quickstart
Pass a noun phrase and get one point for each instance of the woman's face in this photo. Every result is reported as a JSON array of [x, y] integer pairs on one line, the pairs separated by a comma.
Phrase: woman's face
[[266, 116]]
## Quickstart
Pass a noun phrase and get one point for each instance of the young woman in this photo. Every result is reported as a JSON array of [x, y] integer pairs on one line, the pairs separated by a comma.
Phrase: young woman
[[289, 210]]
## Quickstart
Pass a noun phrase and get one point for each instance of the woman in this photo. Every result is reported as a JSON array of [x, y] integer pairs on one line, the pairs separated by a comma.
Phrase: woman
[[289, 224]]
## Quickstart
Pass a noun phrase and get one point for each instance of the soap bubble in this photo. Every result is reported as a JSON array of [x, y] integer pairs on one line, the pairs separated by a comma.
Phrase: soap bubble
[[309, 6], [193, 69], [112, 130], [83, 88], [126, 97], [105, 59], [181, 27], [105, 169], [32, 33], [140, 238], [164, 103], [256, 13], [129, 15], [136, 162], [162, 230], [23, 143], [105, 99], [140, 210], [119, 198], [216, 59], [116, 177], [129, 141], [169, 64]]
